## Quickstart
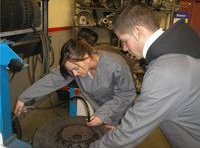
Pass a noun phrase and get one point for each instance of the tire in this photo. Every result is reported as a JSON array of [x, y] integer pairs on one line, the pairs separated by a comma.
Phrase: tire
[[69, 132]]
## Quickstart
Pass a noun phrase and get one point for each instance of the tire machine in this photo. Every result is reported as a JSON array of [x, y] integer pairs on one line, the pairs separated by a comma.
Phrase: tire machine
[[9, 60]]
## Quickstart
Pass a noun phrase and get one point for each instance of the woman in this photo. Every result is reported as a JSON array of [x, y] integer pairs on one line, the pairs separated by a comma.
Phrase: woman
[[104, 79]]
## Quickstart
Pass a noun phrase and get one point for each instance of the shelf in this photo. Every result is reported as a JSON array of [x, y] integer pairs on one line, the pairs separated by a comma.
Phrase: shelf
[[96, 8], [98, 27], [101, 27]]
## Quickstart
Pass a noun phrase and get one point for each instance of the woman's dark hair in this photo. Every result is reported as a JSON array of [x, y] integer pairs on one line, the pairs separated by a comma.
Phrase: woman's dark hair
[[74, 51]]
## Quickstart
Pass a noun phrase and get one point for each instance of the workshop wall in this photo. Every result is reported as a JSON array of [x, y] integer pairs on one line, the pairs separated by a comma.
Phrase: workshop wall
[[60, 21], [61, 13], [60, 24]]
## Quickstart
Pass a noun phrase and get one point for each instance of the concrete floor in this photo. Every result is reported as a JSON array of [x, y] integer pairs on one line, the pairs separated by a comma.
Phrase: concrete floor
[[35, 118]]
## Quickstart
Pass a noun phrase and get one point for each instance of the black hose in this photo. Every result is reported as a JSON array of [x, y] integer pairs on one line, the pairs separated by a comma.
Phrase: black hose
[[85, 103], [45, 53], [29, 71], [13, 75], [45, 48], [53, 54], [34, 64]]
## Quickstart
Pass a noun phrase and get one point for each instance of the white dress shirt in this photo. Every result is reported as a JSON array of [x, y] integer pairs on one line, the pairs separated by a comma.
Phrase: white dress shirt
[[150, 41]]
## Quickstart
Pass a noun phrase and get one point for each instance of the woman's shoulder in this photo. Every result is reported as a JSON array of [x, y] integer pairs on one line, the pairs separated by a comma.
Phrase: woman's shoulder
[[112, 56], [112, 61]]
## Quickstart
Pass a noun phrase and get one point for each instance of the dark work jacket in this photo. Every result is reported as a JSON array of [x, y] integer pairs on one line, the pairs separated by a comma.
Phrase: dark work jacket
[[179, 39]]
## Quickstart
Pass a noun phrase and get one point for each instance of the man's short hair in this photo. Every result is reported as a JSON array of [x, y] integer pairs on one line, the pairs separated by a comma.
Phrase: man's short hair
[[132, 14]]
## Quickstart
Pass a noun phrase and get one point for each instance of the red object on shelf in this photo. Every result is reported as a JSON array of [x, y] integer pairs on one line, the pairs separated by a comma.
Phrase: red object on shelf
[[186, 6], [55, 29], [193, 8]]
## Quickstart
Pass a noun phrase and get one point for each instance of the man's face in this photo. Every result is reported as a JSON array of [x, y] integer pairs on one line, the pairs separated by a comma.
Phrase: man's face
[[131, 44]]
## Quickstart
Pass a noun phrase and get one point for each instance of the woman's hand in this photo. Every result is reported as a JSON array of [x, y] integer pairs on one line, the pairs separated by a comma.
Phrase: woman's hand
[[19, 107], [94, 121]]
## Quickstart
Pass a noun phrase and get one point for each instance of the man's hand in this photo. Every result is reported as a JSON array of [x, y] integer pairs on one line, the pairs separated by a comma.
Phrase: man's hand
[[19, 107], [94, 121], [109, 127]]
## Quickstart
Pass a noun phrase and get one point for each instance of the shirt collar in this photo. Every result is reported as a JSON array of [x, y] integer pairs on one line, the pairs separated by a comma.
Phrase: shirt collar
[[150, 41]]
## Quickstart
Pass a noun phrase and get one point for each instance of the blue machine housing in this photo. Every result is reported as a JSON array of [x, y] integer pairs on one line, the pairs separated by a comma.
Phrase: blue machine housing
[[7, 139]]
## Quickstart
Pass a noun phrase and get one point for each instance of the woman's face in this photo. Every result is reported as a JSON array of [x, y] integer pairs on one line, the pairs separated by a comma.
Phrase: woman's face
[[79, 68]]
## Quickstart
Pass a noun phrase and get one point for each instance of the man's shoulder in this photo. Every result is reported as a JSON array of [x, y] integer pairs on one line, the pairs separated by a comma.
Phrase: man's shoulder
[[169, 62], [169, 66]]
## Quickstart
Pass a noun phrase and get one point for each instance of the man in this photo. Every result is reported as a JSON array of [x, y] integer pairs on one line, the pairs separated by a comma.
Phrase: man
[[170, 95]]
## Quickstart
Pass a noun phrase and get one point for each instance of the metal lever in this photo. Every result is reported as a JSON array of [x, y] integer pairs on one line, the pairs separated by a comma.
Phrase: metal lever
[[86, 105]]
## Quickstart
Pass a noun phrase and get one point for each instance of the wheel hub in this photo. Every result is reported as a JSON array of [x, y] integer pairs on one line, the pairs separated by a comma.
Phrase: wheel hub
[[70, 132], [77, 133]]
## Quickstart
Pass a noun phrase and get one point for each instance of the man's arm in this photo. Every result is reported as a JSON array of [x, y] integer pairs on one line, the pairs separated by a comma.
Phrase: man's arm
[[161, 94]]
